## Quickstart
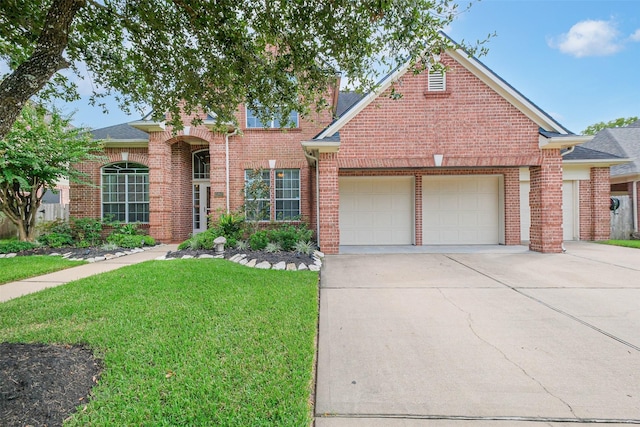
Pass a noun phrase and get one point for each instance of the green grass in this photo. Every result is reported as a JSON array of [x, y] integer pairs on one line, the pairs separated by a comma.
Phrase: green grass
[[18, 268], [625, 243], [184, 342]]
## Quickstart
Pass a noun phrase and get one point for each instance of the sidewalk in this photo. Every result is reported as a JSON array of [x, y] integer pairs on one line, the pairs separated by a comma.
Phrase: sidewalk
[[34, 284]]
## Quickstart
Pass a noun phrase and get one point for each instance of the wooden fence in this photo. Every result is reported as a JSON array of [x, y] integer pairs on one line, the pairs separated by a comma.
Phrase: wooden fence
[[47, 212], [622, 219]]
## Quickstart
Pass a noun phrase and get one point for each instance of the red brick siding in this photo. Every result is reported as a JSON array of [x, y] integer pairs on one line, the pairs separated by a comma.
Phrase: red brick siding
[[545, 200], [329, 204], [601, 217], [586, 206]]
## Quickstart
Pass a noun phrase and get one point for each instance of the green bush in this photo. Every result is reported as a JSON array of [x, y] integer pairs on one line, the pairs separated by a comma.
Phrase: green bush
[[259, 240], [130, 241], [11, 246], [56, 240], [86, 231], [230, 225]]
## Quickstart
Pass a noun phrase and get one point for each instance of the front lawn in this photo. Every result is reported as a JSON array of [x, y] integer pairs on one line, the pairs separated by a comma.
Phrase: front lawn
[[22, 267], [625, 243], [184, 342]]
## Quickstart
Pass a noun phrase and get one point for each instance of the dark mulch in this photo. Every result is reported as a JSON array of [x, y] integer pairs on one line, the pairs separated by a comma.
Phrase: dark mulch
[[90, 252], [41, 385]]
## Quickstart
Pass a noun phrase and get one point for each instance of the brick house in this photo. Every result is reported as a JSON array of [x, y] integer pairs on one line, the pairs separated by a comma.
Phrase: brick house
[[461, 158], [625, 178]]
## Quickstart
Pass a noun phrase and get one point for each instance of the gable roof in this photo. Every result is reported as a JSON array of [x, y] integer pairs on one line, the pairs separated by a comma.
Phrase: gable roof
[[477, 68], [622, 142], [122, 132]]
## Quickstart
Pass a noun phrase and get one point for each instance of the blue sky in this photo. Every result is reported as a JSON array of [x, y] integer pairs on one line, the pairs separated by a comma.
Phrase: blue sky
[[577, 60]]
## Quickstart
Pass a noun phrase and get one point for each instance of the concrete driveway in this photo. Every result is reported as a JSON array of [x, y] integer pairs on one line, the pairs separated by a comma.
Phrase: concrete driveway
[[480, 339]]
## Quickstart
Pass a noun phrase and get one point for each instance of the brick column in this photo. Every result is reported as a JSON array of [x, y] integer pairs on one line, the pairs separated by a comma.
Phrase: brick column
[[160, 191], [329, 203], [600, 213], [218, 175], [545, 199], [512, 234]]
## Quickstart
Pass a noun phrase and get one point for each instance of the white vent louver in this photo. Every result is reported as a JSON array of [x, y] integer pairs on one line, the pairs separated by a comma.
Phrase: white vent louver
[[437, 81]]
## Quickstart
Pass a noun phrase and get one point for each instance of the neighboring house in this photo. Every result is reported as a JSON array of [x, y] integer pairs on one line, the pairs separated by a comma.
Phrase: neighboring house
[[461, 158], [623, 142]]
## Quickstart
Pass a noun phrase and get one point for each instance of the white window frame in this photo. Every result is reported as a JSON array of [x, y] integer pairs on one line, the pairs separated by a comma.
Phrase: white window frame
[[288, 194], [265, 174], [138, 170]]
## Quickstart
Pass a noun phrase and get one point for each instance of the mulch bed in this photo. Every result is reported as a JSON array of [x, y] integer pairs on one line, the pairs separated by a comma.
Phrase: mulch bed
[[273, 258], [41, 385]]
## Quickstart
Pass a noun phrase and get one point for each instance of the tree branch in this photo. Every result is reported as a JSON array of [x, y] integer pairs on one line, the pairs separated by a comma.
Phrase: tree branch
[[31, 76]]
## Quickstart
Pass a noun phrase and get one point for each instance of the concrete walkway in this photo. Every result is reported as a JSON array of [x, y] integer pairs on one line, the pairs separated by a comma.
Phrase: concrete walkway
[[480, 339], [34, 284]]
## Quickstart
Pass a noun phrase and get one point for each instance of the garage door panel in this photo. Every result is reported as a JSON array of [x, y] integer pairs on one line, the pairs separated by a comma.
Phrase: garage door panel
[[461, 210], [382, 213]]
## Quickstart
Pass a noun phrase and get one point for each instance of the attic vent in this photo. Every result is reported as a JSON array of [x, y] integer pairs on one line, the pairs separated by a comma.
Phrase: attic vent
[[437, 81]]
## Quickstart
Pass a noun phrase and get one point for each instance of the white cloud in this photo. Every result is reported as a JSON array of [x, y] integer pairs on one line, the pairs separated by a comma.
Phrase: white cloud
[[635, 36], [589, 38]]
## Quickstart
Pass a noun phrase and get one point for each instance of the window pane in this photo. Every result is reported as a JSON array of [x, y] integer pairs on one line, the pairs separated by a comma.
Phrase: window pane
[[125, 192]]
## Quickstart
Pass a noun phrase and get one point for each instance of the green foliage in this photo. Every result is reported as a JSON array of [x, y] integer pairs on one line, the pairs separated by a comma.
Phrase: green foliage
[[273, 247], [242, 245], [12, 246], [277, 58], [230, 225], [287, 235], [128, 228], [259, 240], [86, 231], [304, 247], [229, 345], [616, 123], [56, 234], [130, 240], [37, 152], [625, 243]]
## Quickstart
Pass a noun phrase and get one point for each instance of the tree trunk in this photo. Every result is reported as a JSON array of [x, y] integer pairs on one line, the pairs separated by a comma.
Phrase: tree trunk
[[31, 76]]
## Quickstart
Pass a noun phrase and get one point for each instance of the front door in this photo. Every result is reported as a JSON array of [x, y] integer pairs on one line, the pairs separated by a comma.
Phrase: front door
[[201, 206]]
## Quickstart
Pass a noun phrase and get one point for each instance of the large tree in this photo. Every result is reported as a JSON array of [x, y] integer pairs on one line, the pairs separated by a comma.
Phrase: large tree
[[38, 151], [271, 54], [615, 123]]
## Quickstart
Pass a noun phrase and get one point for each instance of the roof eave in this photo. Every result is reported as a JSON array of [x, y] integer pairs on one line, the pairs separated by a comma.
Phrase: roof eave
[[560, 142], [125, 143], [148, 126], [598, 163], [321, 146]]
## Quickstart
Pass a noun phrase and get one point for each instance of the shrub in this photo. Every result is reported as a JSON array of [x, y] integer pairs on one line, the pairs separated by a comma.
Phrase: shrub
[[273, 247], [56, 240], [86, 231], [242, 245], [11, 246], [130, 241], [305, 248], [288, 235], [258, 240], [230, 225]]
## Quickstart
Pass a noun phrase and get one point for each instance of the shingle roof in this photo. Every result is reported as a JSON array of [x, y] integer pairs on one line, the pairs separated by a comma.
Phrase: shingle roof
[[582, 153], [346, 100], [623, 142], [120, 132]]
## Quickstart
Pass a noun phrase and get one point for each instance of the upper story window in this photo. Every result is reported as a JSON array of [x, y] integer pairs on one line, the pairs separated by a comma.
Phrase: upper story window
[[125, 192], [253, 121], [201, 164]]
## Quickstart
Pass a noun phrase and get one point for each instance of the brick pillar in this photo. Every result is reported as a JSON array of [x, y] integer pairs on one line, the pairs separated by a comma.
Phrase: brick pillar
[[600, 213], [512, 234], [545, 199], [218, 175], [160, 191], [329, 203], [418, 209]]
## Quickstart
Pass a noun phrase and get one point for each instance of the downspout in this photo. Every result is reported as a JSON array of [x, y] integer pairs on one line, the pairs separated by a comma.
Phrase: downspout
[[316, 162], [226, 153], [635, 206]]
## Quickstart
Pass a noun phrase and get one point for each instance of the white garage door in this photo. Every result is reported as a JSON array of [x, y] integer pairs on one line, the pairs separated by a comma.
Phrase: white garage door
[[376, 210], [569, 211], [460, 210]]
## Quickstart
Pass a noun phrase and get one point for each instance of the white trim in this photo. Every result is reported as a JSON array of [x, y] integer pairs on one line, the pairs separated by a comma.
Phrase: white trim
[[561, 142]]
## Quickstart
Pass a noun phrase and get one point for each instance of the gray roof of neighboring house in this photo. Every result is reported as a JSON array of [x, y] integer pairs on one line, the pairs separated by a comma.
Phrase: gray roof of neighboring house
[[623, 142], [120, 132]]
